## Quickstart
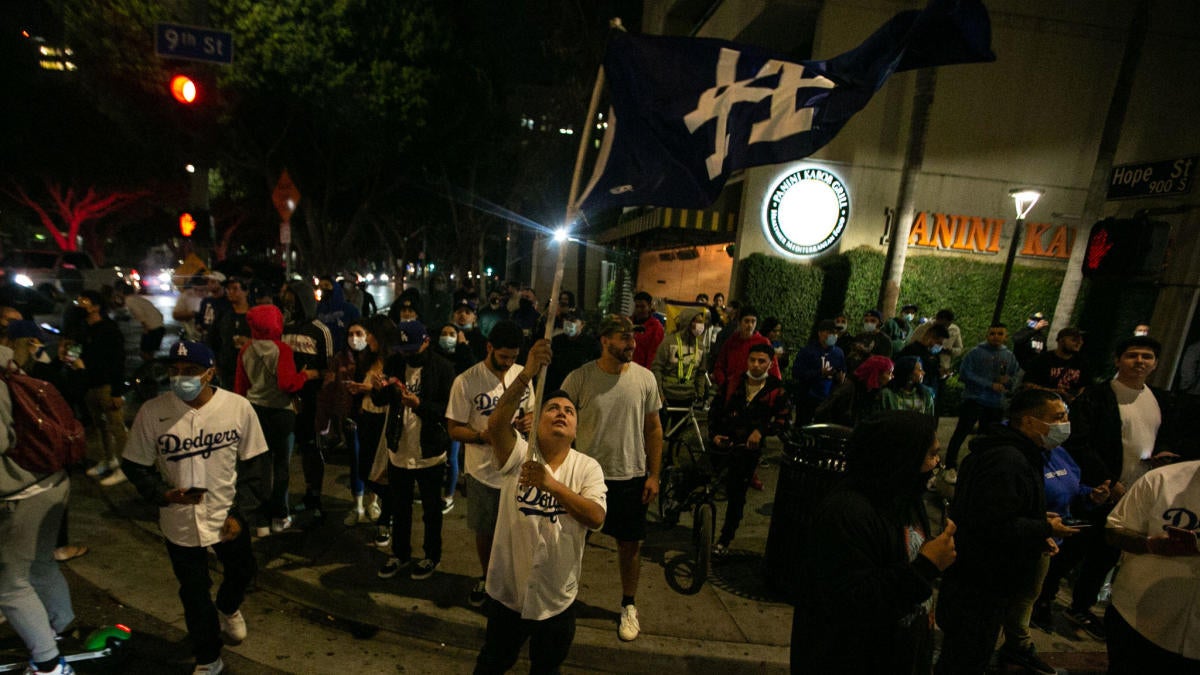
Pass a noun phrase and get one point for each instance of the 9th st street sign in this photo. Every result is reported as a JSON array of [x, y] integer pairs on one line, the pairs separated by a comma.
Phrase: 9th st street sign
[[193, 43]]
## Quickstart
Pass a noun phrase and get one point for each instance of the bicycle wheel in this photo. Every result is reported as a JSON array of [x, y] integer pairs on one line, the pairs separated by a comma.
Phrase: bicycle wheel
[[702, 530], [668, 505]]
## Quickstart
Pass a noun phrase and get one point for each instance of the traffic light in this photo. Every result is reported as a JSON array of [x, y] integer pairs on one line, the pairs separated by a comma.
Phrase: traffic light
[[187, 224], [184, 89], [1126, 248]]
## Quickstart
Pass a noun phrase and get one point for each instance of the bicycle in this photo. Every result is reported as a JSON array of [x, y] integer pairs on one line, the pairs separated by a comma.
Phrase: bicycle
[[694, 487]]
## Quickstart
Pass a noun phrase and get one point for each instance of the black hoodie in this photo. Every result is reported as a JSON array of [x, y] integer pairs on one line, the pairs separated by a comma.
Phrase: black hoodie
[[1000, 509]]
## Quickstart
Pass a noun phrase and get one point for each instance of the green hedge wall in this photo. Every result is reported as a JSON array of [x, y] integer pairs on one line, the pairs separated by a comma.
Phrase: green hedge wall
[[800, 294]]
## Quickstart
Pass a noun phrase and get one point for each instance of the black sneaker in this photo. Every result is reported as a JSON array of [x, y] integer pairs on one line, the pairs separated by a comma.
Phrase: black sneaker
[[424, 569], [1027, 658], [1088, 622], [392, 567], [478, 594]]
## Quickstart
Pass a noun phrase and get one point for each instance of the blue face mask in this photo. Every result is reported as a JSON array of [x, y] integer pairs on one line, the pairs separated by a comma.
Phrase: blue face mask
[[571, 328], [448, 342], [935, 349], [187, 387], [831, 340]]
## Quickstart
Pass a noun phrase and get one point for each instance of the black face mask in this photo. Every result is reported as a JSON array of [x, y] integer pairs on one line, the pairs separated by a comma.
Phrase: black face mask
[[417, 359], [526, 303]]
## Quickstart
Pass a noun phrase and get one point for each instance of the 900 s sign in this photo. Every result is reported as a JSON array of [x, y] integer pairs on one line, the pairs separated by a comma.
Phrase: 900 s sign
[[1152, 179]]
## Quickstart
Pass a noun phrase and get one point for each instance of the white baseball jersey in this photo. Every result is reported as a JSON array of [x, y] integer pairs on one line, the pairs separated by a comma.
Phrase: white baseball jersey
[[196, 448], [473, 397]]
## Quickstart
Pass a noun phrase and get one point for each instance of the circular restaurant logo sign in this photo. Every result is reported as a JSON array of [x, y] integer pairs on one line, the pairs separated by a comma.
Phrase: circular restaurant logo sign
[[807, 212]]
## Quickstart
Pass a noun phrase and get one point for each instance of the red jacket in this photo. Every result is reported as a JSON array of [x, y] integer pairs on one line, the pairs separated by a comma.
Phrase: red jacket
[[647, 342], [730, 364], [266, 368]]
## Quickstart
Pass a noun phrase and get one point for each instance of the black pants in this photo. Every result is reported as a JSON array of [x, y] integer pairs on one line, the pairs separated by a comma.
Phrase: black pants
[[429, 483], [278, 426], [1097, 557], [970, 413], [1129, 653], [549, 640], [970, 620], [742, 464], [190, 564]]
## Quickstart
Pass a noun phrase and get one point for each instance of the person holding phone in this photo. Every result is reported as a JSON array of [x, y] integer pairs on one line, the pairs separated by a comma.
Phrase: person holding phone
[[193, 453], [1155, 527]]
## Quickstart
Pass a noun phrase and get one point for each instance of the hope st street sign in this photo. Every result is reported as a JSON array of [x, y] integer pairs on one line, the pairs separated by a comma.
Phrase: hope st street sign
[[1169, 177], [193, 43]]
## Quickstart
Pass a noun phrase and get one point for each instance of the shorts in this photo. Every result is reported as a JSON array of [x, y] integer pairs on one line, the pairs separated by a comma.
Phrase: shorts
[[626, 516], [483, 503], [152, 340]]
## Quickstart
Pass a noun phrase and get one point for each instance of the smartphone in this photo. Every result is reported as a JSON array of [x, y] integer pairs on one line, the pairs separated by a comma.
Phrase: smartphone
[[195, 491], [1183, 536], [1077, 524]]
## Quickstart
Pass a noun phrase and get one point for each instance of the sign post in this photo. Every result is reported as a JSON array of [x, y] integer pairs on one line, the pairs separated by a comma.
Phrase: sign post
[[286, 197]]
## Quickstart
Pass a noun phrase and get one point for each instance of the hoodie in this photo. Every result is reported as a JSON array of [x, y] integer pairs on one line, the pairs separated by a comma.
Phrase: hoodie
[[982, 366], [336, 313], [1000, 509], [266, 368], [679, 364]]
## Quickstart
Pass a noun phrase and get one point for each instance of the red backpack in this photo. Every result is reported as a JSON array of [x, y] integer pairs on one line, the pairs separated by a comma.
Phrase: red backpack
[[48, 436]]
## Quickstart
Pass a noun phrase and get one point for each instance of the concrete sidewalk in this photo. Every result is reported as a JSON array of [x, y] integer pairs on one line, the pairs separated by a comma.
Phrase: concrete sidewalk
[[732, 624]]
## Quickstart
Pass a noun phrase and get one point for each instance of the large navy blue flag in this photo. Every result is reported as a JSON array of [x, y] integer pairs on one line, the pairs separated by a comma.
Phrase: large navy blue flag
[[687, 111]]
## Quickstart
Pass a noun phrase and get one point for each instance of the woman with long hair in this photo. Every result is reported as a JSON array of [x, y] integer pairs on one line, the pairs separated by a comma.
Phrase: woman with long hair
[[906, 391], [871, 561], [368, 345], [861, 394]]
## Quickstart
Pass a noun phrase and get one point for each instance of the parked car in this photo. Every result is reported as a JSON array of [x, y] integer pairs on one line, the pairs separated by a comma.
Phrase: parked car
[[60, 274]]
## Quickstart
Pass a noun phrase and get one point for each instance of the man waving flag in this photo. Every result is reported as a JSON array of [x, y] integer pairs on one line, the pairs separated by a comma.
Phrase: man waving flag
[[688, 111]]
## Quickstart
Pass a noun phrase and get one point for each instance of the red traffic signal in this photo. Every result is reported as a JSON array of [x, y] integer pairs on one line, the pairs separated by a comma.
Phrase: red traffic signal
[[184, 89], [1126, 249], [187, 224]]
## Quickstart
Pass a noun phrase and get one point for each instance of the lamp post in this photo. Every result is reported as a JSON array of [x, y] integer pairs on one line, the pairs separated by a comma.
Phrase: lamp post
[[1023, 199]]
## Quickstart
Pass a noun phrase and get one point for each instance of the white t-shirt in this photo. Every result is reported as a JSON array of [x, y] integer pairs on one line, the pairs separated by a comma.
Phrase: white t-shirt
[[1160, 595], [144, 312], [612, 416], [196, 448], [538, 549], [473, 397], [408, 455], [1140, 419]]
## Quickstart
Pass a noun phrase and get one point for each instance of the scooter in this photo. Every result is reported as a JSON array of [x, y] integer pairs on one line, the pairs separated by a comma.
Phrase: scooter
[[101, 643]]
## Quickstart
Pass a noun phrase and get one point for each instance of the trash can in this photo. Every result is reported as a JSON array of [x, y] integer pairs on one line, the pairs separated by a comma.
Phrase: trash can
[[814, 459]]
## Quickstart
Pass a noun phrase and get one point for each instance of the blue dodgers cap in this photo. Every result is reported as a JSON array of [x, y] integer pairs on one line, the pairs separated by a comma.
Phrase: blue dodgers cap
[[20, 328], [191, 352], [410, 335]]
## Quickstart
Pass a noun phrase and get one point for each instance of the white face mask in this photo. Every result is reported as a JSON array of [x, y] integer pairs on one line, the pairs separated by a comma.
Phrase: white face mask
[[448, 342], [358, 343], [757, 378], [697, 329], [870, 326], [571, 328]]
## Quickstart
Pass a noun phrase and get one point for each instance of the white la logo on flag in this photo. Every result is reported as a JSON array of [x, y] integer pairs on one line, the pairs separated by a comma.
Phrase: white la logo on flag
[[785, 119]]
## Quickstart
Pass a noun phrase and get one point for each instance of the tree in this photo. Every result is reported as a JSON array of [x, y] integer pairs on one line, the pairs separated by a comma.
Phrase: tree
[[72, 214]]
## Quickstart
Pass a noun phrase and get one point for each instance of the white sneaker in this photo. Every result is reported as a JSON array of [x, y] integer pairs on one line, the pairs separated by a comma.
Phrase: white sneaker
[[233, 626], [354, 517], [102, 469], [115, 477], [630, 627], [374, 510], [383, 539], [213, 668], [63, 668], [447, 505], [281, 524]]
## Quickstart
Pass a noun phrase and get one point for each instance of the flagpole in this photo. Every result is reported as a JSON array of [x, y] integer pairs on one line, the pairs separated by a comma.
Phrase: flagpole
[[560, 261]]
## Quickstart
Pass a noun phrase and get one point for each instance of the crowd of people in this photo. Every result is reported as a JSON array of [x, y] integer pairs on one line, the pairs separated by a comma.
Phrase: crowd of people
[[441, 386]]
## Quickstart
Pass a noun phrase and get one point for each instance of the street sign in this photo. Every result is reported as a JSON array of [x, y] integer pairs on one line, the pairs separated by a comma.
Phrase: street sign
[[1167, 178], [286, 196], [193, 43]]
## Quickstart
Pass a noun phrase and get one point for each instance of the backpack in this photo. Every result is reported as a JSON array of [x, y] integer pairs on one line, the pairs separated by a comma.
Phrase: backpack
[[49, 438]]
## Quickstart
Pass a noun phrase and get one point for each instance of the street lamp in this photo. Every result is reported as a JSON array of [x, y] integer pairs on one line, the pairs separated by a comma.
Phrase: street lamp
[[1023, 199]]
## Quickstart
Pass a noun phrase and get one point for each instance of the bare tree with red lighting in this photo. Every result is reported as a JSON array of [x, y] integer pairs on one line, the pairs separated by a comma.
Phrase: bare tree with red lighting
[[72, 213]]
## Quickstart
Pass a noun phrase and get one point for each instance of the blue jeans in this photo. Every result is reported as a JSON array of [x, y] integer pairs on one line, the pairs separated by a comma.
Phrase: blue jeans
[[452, 465], [34, 596]]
